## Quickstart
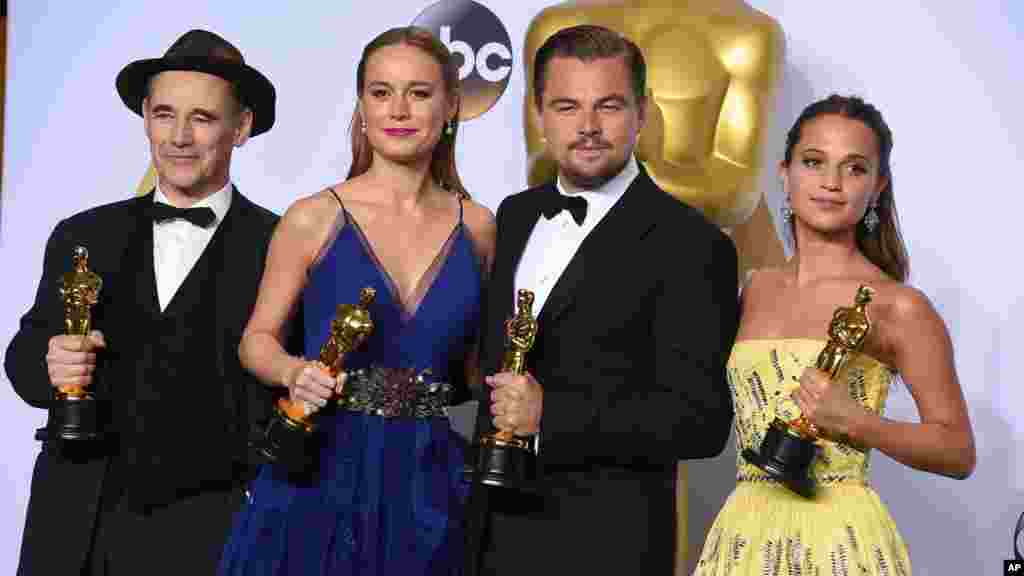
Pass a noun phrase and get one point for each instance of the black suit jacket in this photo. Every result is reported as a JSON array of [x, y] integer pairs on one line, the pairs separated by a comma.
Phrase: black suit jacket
[[66, 490], [631, 353]]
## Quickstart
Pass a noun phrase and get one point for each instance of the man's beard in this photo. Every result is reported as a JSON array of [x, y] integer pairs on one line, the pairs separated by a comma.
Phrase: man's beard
[[592, 181]]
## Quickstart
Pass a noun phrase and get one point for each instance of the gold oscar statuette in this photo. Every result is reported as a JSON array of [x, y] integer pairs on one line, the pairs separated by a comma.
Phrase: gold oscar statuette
[[293, 421], [789, 447], [73, 414], [505, 459]]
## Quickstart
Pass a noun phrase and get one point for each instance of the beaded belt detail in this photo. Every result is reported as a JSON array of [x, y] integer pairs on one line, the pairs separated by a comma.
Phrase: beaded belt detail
[[822, 481], [395, 393]]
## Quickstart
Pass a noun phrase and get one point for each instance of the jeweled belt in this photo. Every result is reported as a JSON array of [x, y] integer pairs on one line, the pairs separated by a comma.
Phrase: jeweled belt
[[395, 393], [826, 480]]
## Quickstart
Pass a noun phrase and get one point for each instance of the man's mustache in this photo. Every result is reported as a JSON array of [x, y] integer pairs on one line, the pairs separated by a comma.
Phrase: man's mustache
[[590, 143]]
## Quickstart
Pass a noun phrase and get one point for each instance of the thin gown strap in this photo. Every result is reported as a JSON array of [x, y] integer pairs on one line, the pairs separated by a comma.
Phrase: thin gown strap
[[339, 223], [343, 216], [336, 197], [460, 208]]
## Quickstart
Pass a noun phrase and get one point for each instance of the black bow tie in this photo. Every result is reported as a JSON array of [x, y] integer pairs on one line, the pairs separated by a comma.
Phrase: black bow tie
[[555, 202], [201, 217]]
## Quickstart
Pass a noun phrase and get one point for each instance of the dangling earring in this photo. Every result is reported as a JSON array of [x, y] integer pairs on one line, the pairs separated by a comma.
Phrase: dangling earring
[[449, 129], [362, 126], [787, 210], [871, 219]]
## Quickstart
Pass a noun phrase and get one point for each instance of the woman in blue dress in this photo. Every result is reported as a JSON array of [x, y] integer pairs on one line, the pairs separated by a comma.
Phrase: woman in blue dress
[[387, 493]]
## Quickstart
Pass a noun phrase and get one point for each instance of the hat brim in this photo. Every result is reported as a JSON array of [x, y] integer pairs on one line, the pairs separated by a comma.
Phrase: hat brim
[[256, 90]]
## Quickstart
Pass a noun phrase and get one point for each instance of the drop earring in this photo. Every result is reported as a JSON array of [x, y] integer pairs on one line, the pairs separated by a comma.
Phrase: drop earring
[[871, 219]]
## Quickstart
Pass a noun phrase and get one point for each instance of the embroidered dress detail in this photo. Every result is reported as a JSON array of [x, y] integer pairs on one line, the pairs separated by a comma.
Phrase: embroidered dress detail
[[763, 528]]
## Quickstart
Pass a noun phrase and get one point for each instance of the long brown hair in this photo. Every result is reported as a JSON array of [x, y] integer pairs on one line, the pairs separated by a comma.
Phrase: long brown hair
[[883, 246], [442, 163]]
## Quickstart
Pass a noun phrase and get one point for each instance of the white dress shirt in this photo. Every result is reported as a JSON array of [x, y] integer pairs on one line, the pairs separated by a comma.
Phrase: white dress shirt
[[178, 244], [554, 242]]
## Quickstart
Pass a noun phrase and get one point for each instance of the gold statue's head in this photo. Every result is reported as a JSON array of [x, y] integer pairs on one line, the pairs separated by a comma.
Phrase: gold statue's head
[[525, 301], [366, 297], [864, 295], [80, 258], [352, 323], [589, 86]]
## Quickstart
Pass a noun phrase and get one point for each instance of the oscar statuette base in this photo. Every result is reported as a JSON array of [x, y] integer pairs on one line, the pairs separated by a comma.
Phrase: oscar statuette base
[[288, 441], [73, 419], [506, 463], [786, 458]]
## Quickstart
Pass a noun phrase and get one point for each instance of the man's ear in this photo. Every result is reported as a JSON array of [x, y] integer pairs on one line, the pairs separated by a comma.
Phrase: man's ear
[[244, 128], [538, 119], [641, 108]]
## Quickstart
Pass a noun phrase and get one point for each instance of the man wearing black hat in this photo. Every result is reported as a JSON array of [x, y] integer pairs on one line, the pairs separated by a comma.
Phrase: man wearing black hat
[[180, 270]]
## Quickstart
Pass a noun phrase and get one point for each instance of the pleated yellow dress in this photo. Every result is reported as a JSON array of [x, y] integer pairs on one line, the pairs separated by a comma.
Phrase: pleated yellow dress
[[765, 529]]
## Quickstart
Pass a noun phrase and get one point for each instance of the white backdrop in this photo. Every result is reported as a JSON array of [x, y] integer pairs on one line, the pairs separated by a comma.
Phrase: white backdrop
[[939, 71]]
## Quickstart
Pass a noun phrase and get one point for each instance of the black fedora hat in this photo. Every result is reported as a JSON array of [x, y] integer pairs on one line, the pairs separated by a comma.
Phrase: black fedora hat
[[202, 51]]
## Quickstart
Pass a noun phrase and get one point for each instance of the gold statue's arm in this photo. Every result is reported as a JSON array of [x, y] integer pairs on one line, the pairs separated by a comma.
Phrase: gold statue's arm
[[755, 63]]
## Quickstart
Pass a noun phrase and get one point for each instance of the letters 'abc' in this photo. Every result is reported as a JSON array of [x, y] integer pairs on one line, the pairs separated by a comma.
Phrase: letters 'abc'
[[480, 45], [481, 59]]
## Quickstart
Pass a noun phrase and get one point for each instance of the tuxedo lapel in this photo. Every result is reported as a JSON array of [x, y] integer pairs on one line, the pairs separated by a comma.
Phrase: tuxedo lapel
[[513, 240], [229, 313], [516, 221], [205, 268], [601, 251]]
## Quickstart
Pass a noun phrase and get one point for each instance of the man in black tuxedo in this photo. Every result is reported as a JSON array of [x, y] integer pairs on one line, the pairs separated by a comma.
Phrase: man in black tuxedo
[[637, 313], [180, 269]]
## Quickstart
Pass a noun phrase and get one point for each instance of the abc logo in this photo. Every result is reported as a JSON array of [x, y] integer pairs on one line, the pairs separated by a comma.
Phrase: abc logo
[[479, 44]]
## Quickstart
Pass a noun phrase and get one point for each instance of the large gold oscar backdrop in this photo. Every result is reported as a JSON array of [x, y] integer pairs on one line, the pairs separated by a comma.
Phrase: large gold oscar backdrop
[[713, 71]]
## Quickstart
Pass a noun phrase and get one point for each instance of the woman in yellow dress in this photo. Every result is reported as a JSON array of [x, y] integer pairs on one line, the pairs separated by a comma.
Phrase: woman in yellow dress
[[842, 217]]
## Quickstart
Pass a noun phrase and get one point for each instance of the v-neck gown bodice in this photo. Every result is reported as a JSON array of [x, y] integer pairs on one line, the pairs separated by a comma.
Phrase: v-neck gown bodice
[[388, 494]]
